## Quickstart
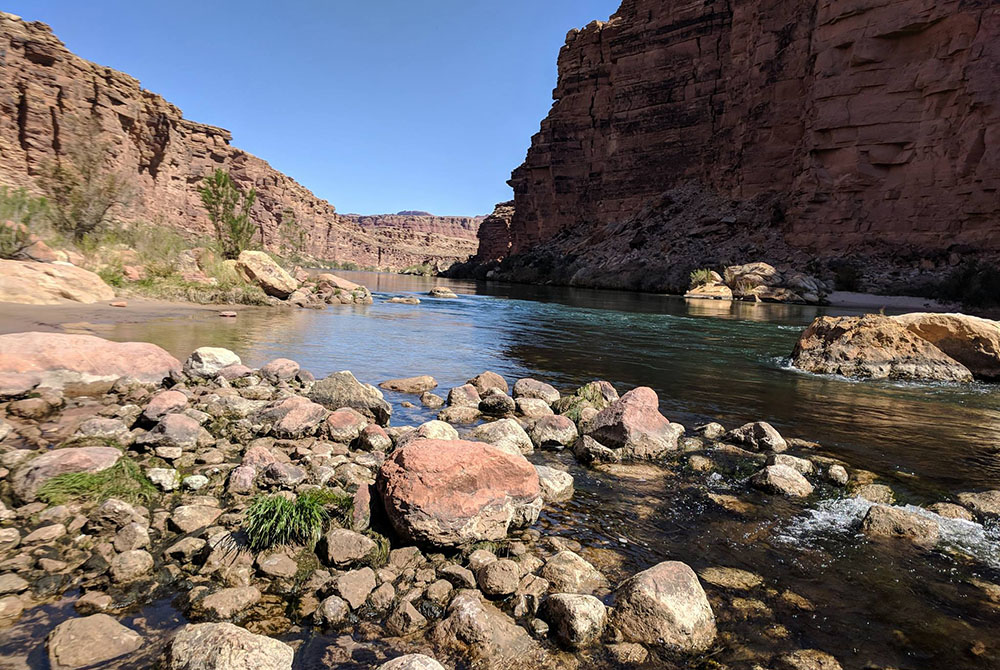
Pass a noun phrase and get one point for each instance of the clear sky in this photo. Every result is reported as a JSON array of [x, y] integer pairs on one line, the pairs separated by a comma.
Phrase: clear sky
[[375, 105]]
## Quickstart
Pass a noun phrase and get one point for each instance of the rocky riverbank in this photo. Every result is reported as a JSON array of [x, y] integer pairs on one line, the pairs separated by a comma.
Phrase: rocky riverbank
[[130, 478]]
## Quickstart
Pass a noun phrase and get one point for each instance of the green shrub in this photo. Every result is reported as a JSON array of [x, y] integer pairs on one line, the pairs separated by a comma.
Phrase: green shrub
[[24, 212], [113, 275], [701, 277], [229, 210], [274, 520], [380, 557], [124, 481]]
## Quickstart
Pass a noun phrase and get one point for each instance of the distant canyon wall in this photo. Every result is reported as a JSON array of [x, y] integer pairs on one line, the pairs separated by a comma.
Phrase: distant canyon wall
[[864, 124], [48, 94]]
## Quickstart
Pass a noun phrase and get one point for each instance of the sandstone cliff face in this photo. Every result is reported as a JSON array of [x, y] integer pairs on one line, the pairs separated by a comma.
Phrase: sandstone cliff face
[[494, 234], [48, 96], [867, 124]]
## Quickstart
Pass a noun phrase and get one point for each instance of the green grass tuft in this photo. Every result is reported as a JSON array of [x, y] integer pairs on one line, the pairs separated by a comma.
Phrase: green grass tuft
[[701, 277], [380, 557], [274, 521], [124, 481]]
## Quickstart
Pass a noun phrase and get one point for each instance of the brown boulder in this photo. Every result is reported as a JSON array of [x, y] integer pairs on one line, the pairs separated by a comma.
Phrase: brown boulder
[[883, 521], [970, 340], [261, 269], [634, 427], [872, 346], [410, 384], [90, 641], [61, 361], [452, 492], [31, 283]]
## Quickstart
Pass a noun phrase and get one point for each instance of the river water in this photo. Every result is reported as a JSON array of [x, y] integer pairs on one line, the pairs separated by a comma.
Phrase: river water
[[873, 606]]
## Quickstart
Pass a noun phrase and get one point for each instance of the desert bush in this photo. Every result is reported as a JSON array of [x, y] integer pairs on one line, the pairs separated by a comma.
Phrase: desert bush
[[82, 191], [229, 210], [113, 275], [24, 212], [701, 277]]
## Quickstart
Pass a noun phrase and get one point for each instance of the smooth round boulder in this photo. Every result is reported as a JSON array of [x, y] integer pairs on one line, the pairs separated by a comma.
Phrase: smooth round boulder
[[532, 388], [883, 521], [452, 492], [499, 578], [280, 370], [576, 620], [223, 646], [554, 430], [506, 434], [419, 384], [342, 389], [464, 396], [557, 485], [634, 428], [665, 606], [782, 480], [489, 380], [571, 573]]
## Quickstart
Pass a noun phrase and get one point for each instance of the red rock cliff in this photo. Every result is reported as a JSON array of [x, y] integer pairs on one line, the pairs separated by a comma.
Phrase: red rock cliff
[[873, 122], [47, 95]]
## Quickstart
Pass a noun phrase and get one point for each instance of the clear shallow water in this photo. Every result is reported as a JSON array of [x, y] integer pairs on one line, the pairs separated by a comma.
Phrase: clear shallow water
[[872, 605]]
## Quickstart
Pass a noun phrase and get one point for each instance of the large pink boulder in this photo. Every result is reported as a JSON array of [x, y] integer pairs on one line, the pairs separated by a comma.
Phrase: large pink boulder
[[453, 492], [60, 360], [633, 427]]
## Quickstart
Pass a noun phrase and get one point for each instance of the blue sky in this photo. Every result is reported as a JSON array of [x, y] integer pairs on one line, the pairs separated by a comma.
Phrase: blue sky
[[377, 106]]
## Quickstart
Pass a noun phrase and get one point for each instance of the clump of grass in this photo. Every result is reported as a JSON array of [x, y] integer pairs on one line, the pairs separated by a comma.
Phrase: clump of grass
[[124, 481], [701, 277], [275, 521], [224, 293]]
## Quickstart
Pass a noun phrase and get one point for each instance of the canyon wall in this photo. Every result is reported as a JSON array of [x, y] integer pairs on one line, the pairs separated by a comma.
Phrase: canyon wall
[[836, 127], [51, 100]]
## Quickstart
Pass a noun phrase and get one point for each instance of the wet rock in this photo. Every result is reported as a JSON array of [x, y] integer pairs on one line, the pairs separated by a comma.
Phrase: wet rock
[[490, 636], [505, 434], [576, 620], [499, 578], [341, 389], [223, 646], [731, 578], [355, 586], [800, 465], [497, 403], [876, 493], [557, 486], [433, 400], [951, 511], [173, 435], [451, 492], [11, 583], [589, 450], [405, 619], [29, 477], [838, 475], [570, 573], [883, 521], [487, 381], [553, 431], [345, 425], [665, 606], [261, 269], [341, 547], [131, 536], [806, 659], [782, 480], [93, 602], [206, 362], [460, 578], [595, 396], [230, 603], [11, 608], [985, 504], [277, 565], [628, 653], [872, 346], [413, 385], [280, 370], [758, 436], [441, 292], [130, 566], [634, 427], [333, 610], [64, 361], [711, 431], [186, 549], [439, 591], [90, 641], [293, 418], [532, 388], [412, 662]]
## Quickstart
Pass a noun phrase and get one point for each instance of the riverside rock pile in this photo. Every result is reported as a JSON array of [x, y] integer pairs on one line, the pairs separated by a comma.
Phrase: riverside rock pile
[[431, 547]]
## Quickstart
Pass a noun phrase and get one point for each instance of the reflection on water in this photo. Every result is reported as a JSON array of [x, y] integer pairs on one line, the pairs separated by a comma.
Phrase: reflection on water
[[707, 360]]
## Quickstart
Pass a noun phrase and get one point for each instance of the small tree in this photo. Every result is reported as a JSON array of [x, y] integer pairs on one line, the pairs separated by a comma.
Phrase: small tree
[[17, 212], [81, 189], [292, 237], [229, 210]]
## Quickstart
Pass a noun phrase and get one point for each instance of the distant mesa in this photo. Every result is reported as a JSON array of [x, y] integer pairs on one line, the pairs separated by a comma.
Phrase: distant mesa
[[413, 212]]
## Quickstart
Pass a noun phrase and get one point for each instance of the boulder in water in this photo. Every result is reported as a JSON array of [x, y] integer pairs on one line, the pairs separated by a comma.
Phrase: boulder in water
[[970, 340]]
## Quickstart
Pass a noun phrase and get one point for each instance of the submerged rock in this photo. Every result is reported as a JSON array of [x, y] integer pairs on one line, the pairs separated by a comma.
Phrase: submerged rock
[[807, 659], [665, 606], [419, 384], [872, 346], [90, 642], [892, 522], [452, 492], [576, 620]]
